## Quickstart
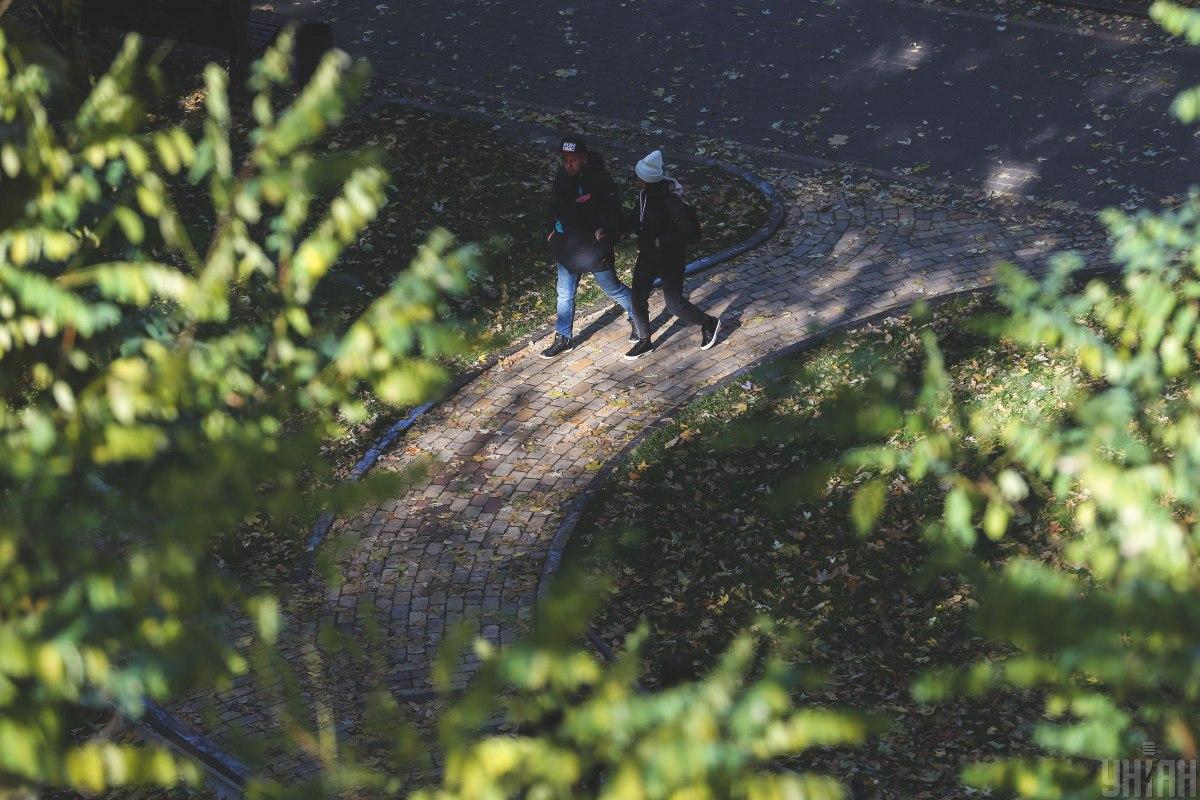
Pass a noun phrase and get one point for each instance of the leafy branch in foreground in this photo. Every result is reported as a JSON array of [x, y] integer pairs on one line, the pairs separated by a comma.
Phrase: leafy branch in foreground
[[163, 381], [1107, 635], [580, 728]]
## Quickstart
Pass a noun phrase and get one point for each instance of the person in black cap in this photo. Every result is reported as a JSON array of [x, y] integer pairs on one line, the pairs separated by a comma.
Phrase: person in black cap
[[586, 215]]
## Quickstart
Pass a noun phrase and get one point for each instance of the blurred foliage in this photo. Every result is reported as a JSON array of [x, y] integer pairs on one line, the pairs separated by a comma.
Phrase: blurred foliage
[[1109, 637], [1056, 493], [579, 728], [151, 367], [875, 613], [546, 717], [165, 380]]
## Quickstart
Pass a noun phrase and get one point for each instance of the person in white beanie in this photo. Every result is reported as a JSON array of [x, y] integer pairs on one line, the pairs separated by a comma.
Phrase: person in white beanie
[[664, 225]]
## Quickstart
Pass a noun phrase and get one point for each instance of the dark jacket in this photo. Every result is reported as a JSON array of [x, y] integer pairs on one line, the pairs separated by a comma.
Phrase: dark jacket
[[579, 206], [661, 223]]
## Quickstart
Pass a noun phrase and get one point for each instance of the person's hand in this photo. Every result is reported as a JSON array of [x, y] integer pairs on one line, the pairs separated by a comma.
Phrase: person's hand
[[599, 234]]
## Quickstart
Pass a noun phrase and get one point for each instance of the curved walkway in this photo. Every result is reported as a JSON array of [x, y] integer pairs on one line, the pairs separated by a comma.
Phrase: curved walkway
[[513, 448], [517, 445]]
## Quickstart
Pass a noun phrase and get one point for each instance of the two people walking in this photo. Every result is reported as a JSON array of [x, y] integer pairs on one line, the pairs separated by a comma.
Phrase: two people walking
[[588, 219]]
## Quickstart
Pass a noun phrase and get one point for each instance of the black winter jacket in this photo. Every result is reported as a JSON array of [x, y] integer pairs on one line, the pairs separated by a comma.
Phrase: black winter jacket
[[579, 206], [660, 222]]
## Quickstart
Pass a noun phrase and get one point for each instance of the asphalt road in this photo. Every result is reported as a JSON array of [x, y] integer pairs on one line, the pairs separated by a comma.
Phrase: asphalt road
[[905, 88]]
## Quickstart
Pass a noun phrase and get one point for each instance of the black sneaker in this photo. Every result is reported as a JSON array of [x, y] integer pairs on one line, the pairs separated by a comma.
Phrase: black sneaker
[[633, 334], [708, 332], [560, 345], [640, 349]]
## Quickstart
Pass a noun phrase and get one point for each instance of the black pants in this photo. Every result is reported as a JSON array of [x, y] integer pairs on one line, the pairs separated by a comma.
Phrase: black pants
[[671, 272]]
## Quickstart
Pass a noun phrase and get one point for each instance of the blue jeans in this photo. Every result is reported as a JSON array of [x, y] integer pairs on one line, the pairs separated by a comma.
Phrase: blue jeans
[[568, 284]]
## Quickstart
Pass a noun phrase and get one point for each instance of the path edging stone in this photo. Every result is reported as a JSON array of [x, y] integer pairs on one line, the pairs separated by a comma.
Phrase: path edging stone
[[227, 775], [769, 156], [320, 529], [582, 501], [1123, 9]]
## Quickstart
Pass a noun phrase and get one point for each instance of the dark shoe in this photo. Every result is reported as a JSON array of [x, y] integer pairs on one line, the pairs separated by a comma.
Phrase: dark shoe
[[633, 334], [560, 345], [708, 332], [640, 349]]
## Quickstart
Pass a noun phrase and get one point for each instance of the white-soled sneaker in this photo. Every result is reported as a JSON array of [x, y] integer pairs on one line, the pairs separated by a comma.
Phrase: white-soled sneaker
[[560, 345], [709, 331], [640, 349]]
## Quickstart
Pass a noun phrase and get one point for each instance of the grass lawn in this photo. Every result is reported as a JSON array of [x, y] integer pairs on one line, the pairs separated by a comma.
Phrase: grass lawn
[[699, 538], [486, 185], [487, 188]]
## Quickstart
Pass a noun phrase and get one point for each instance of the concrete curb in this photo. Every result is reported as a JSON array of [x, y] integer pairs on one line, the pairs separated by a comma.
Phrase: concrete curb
[[1124, 9], [584, 499], [226, 776], [320, 529], [766, 156]]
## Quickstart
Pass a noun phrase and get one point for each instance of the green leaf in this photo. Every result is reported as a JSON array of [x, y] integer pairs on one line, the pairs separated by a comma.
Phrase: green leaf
[[868, 505], [995, 519], [131, 224], [957, 515]]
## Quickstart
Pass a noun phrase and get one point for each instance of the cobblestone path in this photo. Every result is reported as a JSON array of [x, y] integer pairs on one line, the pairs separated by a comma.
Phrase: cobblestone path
[[515, 446], [510, 450]]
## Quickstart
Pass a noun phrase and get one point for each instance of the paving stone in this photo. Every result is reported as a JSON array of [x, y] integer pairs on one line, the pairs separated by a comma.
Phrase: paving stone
[[476, 544]]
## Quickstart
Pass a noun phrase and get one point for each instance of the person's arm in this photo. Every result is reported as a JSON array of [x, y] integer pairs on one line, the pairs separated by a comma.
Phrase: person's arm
[[672, 234], [629, 217], [615, 212], [557, 221], [600, 209]]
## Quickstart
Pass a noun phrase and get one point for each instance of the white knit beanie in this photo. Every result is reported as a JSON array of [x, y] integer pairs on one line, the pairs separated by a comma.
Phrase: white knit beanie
[[650, 168]]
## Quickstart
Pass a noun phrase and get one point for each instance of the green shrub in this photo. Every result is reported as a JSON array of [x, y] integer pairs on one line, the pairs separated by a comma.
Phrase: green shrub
[[1110, 637], [149, 365]]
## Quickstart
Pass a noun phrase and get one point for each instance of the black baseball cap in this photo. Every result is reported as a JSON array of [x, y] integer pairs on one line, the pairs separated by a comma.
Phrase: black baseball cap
[[572, 146]]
